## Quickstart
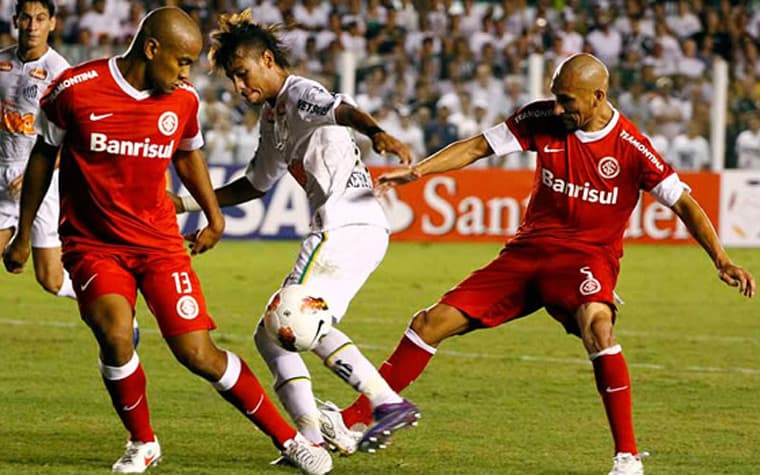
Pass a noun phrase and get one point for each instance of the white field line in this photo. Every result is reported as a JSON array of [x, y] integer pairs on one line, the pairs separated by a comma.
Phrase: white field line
[[461, 354]]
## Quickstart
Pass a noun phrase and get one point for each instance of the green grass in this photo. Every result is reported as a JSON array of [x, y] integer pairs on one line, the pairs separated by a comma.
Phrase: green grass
[[519, 399]]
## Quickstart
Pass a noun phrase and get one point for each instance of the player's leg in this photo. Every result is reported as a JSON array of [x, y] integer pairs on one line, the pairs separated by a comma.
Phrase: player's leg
[[613, 381], [577, 286], [106, 300], [488, 297], [417, 347], [5, 237], [46, 246], [172, 290]]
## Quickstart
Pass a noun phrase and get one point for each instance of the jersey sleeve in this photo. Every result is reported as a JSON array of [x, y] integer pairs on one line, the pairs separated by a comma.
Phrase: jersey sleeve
[[265, 169], [192, 136], [51, 122], [516, 134], [316, 105], [658, 177]]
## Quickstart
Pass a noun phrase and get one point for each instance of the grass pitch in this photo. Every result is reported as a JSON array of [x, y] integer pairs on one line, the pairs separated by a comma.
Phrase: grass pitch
[[519, 399]]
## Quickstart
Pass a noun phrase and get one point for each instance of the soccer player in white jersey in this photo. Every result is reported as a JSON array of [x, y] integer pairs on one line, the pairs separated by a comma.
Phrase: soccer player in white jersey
[[303, 131], [26, 69], [592, 164]]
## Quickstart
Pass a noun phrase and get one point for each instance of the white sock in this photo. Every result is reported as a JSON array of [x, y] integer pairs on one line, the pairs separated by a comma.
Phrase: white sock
[[67, 288], [292, 383], [343, 357]]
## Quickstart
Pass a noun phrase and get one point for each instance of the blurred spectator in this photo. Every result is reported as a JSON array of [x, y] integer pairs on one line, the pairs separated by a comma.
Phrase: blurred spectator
[[690, 151], [310, 15], [606, 43], [748, 144], [248, 136], [572, 41], [669, 112], [684, 23], [98, 27], [409, 133], [439, 132], [691, 65], [464, 116], [221, 141]]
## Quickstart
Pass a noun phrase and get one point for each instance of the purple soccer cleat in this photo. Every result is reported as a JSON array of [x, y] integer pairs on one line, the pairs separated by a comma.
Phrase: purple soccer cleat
[[388, 419]]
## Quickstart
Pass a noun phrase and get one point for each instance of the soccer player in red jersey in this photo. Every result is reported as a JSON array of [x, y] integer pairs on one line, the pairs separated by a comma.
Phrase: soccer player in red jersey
[[592, 163], [118, 123]]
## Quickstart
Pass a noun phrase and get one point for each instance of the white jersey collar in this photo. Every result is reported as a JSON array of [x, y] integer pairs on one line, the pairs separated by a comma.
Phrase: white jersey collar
[[123, 84], [586, 137]]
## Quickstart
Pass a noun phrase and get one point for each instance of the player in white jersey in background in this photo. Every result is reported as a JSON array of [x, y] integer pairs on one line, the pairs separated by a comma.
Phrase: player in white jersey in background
[[26, 69], [303, 131]]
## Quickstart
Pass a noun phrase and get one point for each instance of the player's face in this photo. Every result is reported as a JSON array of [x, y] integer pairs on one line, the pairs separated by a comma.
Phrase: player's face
[[254, 78], [170, 64], [34, 24], [574, 106]]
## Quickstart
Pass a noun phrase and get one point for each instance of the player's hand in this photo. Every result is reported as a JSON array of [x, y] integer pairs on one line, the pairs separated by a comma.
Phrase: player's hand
[[383, 143], [737, 276], [14, 187], [15, 256], [204, 239], [399, 176], [179, 208]]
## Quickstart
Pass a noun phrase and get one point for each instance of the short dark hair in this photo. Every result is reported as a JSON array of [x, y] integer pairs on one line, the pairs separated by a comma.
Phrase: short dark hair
[[238, 29], [49, 4]]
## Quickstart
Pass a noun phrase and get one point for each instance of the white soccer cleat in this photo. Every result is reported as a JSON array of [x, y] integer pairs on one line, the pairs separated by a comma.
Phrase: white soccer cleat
[[334, 430], [138, 457], [310, 458], [625, 463]]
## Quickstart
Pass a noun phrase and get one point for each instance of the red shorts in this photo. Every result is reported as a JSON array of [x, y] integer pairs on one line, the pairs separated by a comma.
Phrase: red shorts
[[167, 282], [528, 276]]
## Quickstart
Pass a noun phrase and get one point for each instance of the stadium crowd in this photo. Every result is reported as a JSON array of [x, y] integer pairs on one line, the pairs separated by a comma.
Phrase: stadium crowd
[[434, 71]]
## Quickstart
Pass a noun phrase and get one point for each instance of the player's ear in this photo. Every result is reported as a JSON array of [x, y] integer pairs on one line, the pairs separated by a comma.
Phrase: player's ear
[[150, 48], [52, 24]]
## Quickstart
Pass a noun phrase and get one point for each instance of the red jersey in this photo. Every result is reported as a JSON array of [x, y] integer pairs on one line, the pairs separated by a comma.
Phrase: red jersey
[[117, 143], [586, 183]]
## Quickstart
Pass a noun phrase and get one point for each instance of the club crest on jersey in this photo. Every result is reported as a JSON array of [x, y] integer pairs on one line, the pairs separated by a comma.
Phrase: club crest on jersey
[[6, 66], [38, 73], [187, 307], [589, 285], [608, 167], [30, 93], [167, 123]]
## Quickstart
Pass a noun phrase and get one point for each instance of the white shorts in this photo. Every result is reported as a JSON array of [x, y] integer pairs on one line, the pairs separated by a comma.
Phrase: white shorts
[[45, 227], [336, 263]]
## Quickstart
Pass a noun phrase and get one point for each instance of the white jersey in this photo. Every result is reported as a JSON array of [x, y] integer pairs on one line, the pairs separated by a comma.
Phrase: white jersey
[[299, 134], [21, 87]]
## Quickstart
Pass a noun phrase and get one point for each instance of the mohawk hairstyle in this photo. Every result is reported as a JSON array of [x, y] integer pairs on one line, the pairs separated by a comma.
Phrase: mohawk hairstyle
[[238, 29]]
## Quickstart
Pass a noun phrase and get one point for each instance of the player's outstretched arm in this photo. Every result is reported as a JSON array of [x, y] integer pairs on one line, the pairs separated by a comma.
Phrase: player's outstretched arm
[[233, 193], [382, 141], [699, 225], [452, 157], [192, 171], [39, 172]]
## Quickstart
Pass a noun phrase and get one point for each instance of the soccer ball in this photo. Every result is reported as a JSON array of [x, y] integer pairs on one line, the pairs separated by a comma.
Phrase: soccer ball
[[296, 318]]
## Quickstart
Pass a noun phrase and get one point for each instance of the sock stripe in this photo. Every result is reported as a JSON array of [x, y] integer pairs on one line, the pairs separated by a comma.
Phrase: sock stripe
[[415, 338], [231, 374], [116, 373], [337, 350], [288, 381], [613, 350]]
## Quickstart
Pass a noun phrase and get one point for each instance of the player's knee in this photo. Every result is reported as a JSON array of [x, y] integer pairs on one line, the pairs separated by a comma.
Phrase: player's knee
[[431, 325], [597, 329], [203, 360]]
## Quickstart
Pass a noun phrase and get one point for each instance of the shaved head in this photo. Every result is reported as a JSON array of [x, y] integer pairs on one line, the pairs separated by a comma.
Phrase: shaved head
[[168, 25], [580, 86], [584, 71]]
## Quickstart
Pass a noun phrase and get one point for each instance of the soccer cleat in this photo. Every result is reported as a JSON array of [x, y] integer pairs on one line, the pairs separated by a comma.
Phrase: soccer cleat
[[388, 419], [138, 457], [334, 430], [626, 463], [312, 459]]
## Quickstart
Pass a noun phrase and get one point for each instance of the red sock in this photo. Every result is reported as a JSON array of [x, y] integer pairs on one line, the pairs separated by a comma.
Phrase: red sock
[[131, 403], [400, 370], [250, 398], [614, 385]]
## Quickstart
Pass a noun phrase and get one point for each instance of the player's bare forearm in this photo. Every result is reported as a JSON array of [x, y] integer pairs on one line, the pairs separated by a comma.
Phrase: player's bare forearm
[[192, 171], [236, 192], [454, 156], [699, 225], [382, 141], [37, 177]]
